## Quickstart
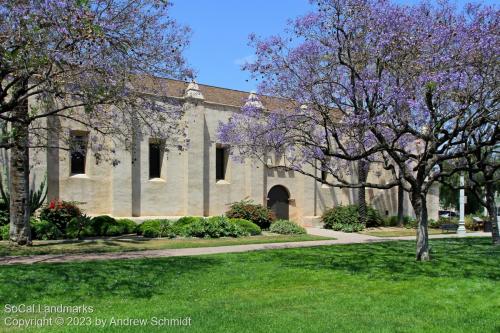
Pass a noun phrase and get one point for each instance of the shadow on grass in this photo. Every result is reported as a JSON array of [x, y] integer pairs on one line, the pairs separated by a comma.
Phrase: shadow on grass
[[79, 246], [124, 278], [97, 241], [143, 278], [451, 258]]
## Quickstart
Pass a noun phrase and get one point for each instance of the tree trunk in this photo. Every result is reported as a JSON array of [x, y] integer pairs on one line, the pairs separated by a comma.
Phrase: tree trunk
[[401, 193], [20, 232], [419, 203], [492, 213], [362, 176]]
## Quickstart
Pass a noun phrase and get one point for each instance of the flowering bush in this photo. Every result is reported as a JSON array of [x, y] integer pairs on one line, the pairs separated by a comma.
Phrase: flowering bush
[[250, 211], [60, 213]]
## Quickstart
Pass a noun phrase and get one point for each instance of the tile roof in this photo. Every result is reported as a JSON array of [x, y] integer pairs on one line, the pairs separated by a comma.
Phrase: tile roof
[[215, 95]]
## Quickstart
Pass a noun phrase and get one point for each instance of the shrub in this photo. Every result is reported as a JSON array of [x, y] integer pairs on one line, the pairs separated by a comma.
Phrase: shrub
[[80, 227], [340, 215], [221, 226], [114, 230], [195, 229], [4, 232], [156, 228], [347, 227], [470, 224], [4, 213], [250, 227], [155, 224], [346, 218], [104, 225], [60, 213], [433, 224], [45, 230], [215, 227], [409, 222], [181, 226], [167, 229], [101, 224], [391, 221], [187, 220], [373, 218], [337, 226], [128, 226], [150, 232], [447, 220], [286, 227], [248, 210], [149, 224], [4, 217], [352, 227], [349, 215]]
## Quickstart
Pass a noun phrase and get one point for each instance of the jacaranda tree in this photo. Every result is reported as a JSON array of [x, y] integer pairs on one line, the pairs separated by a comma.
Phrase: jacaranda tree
[[398, 87], [93, 62]]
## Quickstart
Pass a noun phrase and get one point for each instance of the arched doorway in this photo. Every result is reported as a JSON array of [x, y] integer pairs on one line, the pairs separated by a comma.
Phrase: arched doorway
[[277, 201]]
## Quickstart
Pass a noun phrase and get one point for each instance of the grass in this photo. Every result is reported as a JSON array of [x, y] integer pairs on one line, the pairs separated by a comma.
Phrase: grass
[[396, 232], [139, 244], [376, 287]]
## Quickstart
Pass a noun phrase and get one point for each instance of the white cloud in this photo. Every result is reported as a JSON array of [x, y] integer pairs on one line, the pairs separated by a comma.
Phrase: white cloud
[[241, 61]]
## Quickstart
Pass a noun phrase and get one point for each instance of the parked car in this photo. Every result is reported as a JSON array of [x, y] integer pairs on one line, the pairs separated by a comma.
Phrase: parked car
[[447, 213]]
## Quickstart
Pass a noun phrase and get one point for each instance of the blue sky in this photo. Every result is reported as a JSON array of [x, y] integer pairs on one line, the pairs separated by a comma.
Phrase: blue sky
[[221, 29]]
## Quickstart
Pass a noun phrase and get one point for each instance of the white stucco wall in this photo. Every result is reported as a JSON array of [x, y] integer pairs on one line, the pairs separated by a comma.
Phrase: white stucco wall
[[188, 185]]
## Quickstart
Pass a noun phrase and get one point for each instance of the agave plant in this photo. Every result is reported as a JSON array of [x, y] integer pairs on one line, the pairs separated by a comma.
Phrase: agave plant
[[37, 197]]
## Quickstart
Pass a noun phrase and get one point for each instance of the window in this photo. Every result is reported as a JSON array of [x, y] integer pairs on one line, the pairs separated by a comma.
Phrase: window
[[78, 150], [324, 172], [155, 158], [279, 160], [221, 157]]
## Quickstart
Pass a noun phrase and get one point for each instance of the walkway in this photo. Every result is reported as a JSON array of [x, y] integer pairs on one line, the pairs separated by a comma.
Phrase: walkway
[[340, 238]]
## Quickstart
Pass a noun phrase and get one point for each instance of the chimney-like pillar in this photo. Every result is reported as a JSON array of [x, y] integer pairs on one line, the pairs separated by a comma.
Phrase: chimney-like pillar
[[195, 115]]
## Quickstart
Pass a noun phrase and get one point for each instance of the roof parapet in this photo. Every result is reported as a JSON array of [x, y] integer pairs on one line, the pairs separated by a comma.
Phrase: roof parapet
[[193, 92], [254, 101]]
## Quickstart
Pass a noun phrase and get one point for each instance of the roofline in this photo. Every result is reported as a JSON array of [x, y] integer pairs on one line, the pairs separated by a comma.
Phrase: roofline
[[223, 88], [212, 86]]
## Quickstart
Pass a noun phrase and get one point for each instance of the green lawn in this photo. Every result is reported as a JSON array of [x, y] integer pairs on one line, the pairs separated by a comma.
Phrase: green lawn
[[138, 244], [396, 232], [375, 287]]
